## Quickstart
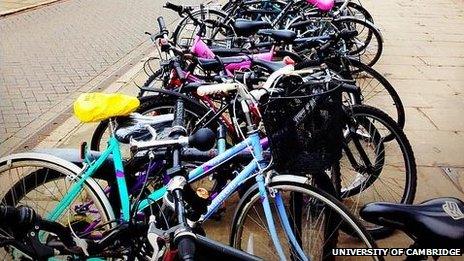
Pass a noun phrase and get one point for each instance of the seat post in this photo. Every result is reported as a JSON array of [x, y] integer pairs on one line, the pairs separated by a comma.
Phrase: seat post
[[112, 125]]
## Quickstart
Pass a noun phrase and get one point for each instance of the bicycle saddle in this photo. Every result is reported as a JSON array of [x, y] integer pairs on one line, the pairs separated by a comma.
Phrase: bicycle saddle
[[245, 27], [434, 223], [285, 36], [217, 64], [94, 107], [270, 65]]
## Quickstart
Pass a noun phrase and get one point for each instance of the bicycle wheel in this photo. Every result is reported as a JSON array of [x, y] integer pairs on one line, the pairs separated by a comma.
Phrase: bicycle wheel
[[150, 105], [367, 46], [376, 90], [355, 10], [39, 181], [187, 29], [372, 168], [315, 219]]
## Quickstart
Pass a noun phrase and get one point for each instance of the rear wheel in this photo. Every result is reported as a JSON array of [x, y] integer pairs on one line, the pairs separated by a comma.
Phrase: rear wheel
[[355, 10], [376, 90], [187, 29], [367, 46]]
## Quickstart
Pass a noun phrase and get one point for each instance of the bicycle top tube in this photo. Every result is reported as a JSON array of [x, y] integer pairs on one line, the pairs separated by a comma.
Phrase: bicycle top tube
[[252, 144]]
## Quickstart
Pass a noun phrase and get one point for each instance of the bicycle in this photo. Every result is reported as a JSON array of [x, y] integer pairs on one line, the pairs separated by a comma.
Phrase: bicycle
[[362, 162], [334, 213], [306, 24]]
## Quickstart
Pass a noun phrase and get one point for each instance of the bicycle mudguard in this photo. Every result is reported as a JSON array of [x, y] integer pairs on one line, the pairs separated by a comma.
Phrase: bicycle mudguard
[[74, 156]]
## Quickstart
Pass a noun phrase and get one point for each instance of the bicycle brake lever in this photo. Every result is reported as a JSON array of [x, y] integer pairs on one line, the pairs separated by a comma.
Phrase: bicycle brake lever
[[152, 131], [82, 244], [153, 238]]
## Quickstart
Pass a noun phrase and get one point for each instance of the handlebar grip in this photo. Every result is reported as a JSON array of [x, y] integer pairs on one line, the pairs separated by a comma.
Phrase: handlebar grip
[[346, 34], [186, 248], [22, 215], [161, 24], [216, 88], [350, 88], [258, 93], [176, 8], [307, 63], [179, 114]]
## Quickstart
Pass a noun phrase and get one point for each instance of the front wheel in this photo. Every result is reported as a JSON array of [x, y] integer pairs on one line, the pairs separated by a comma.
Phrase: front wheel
[[315, 219]]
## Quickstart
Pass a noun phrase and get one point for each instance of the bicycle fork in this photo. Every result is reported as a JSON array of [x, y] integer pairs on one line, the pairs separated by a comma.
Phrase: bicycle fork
[[284, 220]]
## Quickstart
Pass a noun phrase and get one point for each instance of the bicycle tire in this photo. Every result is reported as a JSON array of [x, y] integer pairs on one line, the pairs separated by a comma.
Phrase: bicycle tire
[[373, 33], [359, 8], [181, 25], [360, 67], [49, 169], [409, 190], [299, 184]]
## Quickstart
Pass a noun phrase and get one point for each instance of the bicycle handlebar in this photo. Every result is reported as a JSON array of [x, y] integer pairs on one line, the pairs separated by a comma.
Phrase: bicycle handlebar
[[177, 8], [186, 248], [162, 25], [22, 215]]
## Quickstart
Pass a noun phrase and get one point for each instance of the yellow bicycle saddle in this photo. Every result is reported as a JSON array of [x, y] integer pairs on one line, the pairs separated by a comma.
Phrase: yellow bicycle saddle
[[93, 107]]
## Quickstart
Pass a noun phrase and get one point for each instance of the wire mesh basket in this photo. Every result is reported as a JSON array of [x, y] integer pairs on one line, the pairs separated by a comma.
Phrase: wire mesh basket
[[305, 133]]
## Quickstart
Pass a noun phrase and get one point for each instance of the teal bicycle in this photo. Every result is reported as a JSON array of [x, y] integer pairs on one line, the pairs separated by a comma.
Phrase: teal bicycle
[[279, 217]]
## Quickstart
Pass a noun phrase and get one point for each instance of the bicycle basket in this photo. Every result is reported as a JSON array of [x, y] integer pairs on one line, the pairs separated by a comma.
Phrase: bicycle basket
[[305, 134]]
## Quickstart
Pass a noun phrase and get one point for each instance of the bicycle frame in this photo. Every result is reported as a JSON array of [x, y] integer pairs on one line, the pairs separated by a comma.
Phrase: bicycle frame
[[114, 150], [252, 142]]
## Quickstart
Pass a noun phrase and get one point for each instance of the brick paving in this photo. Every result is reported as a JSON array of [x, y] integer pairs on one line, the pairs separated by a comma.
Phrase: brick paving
[[424, 60], [50, 52]]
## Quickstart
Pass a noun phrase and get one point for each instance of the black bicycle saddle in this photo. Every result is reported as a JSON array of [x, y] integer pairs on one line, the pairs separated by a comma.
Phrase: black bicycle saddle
[[217, 64], [245, 27], [285, 36], [434, 223], [270, 65]]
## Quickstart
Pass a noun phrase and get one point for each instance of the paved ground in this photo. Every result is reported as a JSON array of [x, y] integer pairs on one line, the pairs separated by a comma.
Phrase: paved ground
[[13, 5], [424, 59], [51, 53]]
